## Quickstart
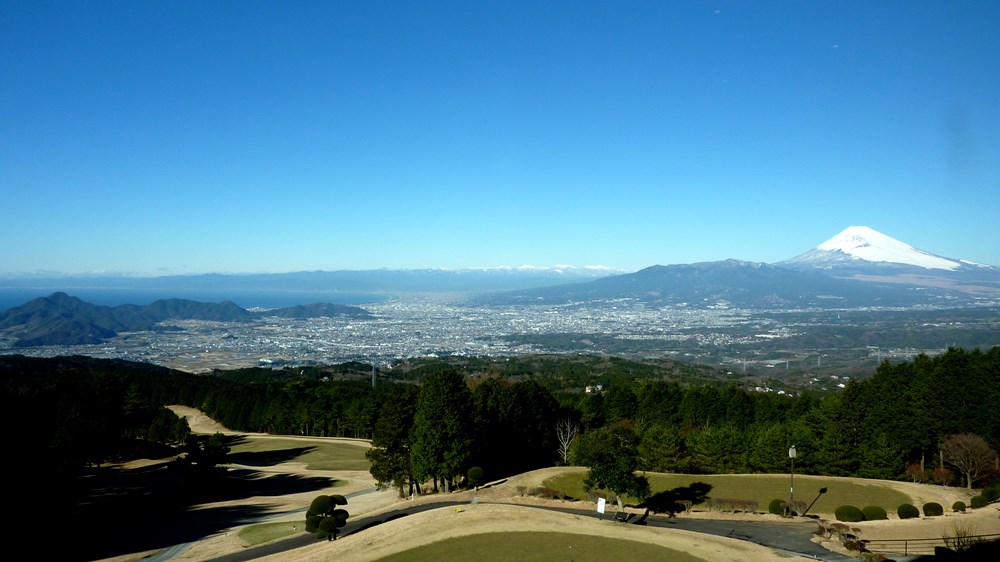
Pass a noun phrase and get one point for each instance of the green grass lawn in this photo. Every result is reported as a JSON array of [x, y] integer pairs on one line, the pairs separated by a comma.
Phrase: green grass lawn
[[762, 488], [317, 455], [267, 532], [538, 547]]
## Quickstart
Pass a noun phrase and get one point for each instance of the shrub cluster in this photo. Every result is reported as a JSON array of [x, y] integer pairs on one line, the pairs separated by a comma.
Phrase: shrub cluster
[[978, 501], [548, 493], [849, 513], [777, 507], [854, 545], [933, 509], [907, 511], [958, 506], [874, 513], [992, 493]]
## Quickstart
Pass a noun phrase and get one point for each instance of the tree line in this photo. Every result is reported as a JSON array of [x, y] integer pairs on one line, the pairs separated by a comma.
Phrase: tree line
[[432, 431]]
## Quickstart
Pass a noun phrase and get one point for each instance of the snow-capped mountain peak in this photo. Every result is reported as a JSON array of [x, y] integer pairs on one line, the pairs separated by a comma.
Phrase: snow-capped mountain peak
[[864, 243]]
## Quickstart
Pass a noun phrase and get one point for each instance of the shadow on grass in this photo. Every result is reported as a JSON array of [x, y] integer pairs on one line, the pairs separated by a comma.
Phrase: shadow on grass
[[128, 511], [268, 458]]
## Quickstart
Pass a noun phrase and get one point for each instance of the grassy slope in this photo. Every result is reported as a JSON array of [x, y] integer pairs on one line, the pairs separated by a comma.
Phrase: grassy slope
[[316, 454], [762, 488], [538, 547]]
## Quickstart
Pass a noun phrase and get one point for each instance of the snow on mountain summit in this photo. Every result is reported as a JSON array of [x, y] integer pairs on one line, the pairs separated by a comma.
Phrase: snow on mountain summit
[[861, 242]]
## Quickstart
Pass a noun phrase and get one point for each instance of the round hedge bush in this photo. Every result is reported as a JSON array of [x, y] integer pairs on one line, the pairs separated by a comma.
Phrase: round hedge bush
[[933, 509], [776, 507], [978, 501], [874, 513], [476, 476], [849, 514], [992, 493], [958, 506], [907, 511]]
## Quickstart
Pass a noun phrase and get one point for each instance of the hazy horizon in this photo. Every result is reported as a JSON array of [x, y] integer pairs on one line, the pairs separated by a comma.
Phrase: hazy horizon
[[233, 137]]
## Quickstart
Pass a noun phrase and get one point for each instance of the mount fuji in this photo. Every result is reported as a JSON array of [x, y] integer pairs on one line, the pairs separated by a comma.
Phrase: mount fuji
[[859, 267], [864, 254], [860, 245]]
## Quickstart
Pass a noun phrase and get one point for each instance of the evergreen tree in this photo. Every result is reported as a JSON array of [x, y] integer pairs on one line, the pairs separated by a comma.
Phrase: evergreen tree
[[442, 428], [390, 452], [661, 449]]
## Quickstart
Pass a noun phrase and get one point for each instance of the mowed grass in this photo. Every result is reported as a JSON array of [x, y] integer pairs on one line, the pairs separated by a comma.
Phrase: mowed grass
[[538, 547], [761, 488], [267, 532], [317, 455]]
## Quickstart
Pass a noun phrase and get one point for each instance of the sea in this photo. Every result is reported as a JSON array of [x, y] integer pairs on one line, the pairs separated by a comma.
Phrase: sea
[[12, 297]]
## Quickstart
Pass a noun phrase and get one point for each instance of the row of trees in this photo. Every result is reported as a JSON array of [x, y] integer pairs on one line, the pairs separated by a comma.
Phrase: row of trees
[[87, 411], [438, 433]]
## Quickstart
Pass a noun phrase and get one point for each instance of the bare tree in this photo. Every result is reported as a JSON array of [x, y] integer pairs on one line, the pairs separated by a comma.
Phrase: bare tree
[[970, 454], [566, 432]]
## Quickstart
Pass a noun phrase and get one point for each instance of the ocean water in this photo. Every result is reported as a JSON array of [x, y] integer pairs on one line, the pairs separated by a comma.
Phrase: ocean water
[[14, 297]]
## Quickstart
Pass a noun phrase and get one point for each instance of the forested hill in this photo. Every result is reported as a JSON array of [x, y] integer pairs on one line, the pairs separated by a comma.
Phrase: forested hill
[[873, 428], [61, 319], [78, 413]]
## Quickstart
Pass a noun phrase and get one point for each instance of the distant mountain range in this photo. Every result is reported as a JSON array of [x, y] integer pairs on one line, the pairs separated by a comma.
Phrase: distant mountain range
[[60, 319], [859, 267], [284, 289]]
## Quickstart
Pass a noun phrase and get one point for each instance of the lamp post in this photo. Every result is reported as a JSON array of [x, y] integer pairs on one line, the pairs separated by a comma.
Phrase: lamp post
[[791, 486]]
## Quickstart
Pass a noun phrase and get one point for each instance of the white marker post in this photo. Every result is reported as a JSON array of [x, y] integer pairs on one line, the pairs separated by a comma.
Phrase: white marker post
[[600, 507], [791, 481]]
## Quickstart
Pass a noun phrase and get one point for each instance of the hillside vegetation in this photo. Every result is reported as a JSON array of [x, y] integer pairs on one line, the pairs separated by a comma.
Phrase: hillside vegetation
[[432, 422]]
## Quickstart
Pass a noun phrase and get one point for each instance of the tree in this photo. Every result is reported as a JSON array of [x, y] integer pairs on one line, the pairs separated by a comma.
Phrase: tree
[[880, 458], [970, 454], [390, 452], [442, 428], [324, 518], [613, 457], [718, 449], [207, 453], [566, 432], [661, 449]]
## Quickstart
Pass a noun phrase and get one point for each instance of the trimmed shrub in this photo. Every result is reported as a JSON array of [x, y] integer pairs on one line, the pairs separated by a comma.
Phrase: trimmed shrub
[[849, 513], [958, 506], [907, 511], [874, 513], [933, 509], [777, 507], [991, 494], [476, 476], [854, 545], [978, 501]]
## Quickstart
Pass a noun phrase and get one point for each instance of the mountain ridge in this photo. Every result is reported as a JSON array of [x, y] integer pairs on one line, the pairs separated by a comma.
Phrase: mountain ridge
[[858, 267], [61, 319], [862, 253]]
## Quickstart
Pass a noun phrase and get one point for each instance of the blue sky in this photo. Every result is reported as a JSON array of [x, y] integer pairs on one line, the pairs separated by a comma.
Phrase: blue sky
[[173, 137]]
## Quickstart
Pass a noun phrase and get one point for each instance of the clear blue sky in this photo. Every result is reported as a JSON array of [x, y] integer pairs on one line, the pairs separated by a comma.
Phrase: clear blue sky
[[176, 137]]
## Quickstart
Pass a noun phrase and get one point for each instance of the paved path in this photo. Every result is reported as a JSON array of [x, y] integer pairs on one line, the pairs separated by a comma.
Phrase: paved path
[[792, 537]]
